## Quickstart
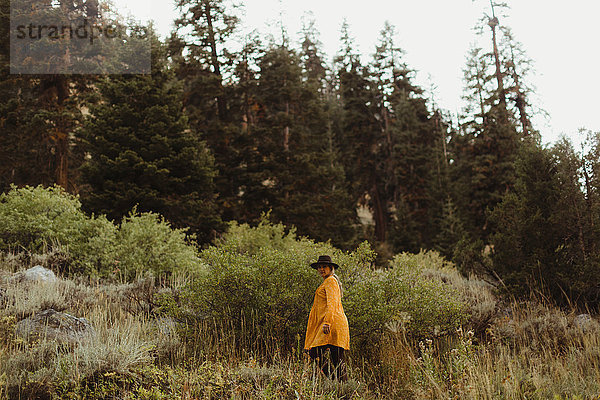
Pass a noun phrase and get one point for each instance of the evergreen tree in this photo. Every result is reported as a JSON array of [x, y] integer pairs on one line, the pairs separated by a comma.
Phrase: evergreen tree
[[575, 201], [242, 153], [451, 230], [143, 153], [479, 89], [409, 146], [590, 166], [518, 66], [206, 68], [198, 47], [526, 238], [486, 147], [43, 111], [493, 22], [499, 79], [26, 144], [301, 180], [313, 66], [417, 154], [357, 132], [543, 238], [337, 199], [578, 211]]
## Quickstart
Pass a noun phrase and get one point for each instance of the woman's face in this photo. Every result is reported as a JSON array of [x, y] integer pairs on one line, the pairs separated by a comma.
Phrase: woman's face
[[324, 270]]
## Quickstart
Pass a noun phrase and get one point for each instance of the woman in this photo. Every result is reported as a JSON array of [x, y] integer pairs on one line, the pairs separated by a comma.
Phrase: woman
[[327, 324]]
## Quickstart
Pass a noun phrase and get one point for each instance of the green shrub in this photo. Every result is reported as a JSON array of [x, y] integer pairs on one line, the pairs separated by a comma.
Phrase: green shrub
[[480, 304], [41, 219], [261, 277], [403, 299], [46, 220], [433, 304], [147, 243], [33, 217]]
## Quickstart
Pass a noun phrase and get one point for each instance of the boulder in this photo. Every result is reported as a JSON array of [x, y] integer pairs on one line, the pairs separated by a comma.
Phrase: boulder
[[584, 322], [37, 274], [52, 325], [165, 326]]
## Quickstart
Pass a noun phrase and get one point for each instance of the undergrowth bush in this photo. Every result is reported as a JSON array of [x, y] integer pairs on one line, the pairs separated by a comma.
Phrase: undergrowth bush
[[260, 277], [39, 220], [458, 301], [122, 343], [147, 243], [404, 300]]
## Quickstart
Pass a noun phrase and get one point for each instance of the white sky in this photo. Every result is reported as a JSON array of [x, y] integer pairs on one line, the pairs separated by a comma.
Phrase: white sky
[[561, 38]]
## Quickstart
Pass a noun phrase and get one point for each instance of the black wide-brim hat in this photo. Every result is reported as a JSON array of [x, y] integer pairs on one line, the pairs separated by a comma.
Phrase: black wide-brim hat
[[324, 260]]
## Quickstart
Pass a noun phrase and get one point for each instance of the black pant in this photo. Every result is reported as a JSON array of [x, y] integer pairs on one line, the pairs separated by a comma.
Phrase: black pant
[[337, 368]]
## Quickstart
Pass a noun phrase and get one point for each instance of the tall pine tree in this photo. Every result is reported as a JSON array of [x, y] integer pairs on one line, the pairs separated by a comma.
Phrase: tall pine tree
[[411, 142], [302, 182], [207, 69], [357, 131], [143, 153]]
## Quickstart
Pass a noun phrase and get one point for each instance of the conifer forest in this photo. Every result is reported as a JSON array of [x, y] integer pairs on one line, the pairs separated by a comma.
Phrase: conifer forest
[[180, 209]]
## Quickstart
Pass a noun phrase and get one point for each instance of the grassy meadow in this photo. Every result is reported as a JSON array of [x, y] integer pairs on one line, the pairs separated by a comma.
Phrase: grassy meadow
[[172, 321]]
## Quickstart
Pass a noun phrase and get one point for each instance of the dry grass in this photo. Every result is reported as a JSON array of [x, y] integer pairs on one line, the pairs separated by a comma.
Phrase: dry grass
[[477, 295], [123, 341], [211, 361], [537, 353], [525, 351]]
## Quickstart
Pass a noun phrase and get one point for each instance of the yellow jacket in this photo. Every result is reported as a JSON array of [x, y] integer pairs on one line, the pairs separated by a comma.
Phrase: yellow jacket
[[327, 309]]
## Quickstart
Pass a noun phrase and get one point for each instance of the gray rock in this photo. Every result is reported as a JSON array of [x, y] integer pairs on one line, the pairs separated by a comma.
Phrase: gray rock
[[37, 274], [165, 326], [583, 321], [52, 325]]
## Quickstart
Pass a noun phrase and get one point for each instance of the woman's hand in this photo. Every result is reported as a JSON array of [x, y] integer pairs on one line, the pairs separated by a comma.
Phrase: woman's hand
[[326, 328]]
